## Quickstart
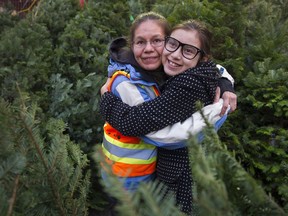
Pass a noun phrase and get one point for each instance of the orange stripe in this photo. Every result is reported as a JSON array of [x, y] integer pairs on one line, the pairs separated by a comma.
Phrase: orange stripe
[[115, 134], [157, 93], [117, 73], [131, 170]]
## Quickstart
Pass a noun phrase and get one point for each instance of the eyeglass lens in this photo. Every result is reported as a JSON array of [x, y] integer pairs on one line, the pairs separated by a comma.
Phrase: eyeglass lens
[[188, 51]]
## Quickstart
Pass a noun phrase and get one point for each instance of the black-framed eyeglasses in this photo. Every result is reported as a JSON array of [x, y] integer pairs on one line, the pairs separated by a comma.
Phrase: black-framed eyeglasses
[[188, 51]]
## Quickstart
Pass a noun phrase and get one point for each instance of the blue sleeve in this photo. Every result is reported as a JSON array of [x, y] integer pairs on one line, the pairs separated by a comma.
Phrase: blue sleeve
[[217, 126], [164, 145]]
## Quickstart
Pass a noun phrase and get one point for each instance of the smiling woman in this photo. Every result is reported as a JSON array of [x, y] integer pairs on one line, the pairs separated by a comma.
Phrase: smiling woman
[[133, 160], [148, 45], [183, 49]]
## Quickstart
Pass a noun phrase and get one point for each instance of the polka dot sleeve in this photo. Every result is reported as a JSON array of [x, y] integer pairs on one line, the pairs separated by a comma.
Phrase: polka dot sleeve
[[175, 104]]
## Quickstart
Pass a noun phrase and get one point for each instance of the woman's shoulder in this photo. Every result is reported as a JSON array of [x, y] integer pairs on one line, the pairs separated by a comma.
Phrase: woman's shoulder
[[192, 79], [182, 81]]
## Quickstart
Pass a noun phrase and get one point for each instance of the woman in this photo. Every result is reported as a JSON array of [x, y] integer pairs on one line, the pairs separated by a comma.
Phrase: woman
[[145, 47]]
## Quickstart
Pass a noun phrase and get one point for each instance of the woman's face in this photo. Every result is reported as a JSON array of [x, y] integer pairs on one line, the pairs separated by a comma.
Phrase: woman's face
[[148, 44], [174, 62]]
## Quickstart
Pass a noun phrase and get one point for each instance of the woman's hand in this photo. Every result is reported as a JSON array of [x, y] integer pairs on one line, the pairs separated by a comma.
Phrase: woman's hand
[[229, 100], [104, 88]]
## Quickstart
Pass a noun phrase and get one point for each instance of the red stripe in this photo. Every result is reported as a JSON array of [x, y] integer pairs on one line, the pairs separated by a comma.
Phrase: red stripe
[[115, 134]]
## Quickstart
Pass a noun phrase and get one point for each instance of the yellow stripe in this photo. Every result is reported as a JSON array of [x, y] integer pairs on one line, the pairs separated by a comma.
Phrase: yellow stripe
[[140, 145], [127, 160]]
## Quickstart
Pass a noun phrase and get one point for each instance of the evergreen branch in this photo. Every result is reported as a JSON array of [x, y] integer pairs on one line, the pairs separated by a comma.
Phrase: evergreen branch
[[114, 187], [154, 200], [212, 197], [84, 190], [80, 161], [38, 149], [13, 198], [49, 175], [251, 194], [222, 183]]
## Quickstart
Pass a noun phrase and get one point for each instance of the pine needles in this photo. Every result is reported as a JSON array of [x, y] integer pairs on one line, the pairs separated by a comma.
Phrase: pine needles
[[41, 171], [223, 187]]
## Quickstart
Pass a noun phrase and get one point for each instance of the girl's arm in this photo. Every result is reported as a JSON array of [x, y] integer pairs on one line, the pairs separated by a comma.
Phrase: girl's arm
[[175, 134], [176, 104]]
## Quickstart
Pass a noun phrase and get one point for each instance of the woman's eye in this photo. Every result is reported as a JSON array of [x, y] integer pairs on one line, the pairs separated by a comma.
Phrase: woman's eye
[[139, 42], [190, 50], [172, 44]]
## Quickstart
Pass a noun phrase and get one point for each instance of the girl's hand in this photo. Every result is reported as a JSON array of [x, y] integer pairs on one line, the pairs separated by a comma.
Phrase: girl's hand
[[229, 99]]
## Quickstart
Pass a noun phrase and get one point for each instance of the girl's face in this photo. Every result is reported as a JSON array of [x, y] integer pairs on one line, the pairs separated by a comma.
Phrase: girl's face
[[174, 62], [148, 44]]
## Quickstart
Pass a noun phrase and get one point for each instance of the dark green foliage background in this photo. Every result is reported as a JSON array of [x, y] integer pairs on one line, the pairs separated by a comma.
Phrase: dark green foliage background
[[58, 56]]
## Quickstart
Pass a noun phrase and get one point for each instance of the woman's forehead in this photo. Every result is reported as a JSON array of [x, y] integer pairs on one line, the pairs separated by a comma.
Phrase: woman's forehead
[[149, 28], [187, 36]]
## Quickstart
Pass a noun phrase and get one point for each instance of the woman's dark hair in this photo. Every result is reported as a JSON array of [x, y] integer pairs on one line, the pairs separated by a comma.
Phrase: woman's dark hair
[[148, 16]]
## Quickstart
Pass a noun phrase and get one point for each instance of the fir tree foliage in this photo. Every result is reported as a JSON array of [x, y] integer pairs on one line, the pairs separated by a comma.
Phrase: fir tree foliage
[[7, 21], [267, 33], [135, 8], [23, 59], [41, 170], [59, 41], [80, 64], [223, 187], [267, 100], [54, 15], [260, 141], [58, 54]]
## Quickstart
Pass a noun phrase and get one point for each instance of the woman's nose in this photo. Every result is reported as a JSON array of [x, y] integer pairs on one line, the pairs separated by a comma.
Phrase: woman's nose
[[177, 54], [148, 46]]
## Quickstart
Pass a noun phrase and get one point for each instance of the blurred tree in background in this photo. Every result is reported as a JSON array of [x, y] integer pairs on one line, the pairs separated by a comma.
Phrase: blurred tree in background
[[57, 56]]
